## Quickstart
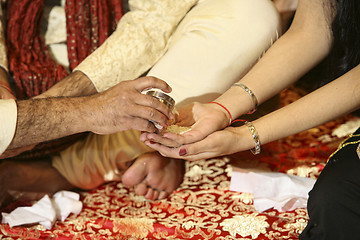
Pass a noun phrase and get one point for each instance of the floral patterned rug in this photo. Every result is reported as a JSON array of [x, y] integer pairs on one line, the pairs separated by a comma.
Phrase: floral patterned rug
[[202, 207]]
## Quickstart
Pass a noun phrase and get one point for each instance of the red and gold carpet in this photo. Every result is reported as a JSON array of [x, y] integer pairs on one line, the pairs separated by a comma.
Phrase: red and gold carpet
[[202, 207]]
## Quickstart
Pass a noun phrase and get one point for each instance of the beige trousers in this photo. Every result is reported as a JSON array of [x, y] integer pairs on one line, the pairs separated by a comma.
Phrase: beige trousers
[[216, 43]]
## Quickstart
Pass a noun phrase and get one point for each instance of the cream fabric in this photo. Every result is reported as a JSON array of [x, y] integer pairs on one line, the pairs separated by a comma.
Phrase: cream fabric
[[3, 56], [99, 158], [138, 42], [55, 32], [8, 118], [216, 44]]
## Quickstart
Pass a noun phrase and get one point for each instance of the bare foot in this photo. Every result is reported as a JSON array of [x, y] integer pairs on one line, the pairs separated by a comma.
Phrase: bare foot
[[154, 176], [30, 177]]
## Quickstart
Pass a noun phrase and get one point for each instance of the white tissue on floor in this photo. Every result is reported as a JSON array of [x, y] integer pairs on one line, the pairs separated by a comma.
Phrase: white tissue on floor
[[280, 191], [46, 211]]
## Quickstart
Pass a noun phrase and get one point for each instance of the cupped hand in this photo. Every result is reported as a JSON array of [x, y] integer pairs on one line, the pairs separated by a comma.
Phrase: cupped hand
[[216, 144], [204, 119], [124, 107]]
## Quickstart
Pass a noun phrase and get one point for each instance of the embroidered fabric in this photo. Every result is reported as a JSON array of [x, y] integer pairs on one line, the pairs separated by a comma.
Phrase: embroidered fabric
[[145, 30], [202, 207]]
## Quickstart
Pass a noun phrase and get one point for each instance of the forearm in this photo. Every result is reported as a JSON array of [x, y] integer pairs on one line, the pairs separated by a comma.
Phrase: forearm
[[41, 120], [295, 53], [74, 85], [120, 108], [327, 103]]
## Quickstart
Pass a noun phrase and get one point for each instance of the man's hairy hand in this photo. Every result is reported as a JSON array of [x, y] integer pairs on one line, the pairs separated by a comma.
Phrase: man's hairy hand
[[124, 107], [120, 108]]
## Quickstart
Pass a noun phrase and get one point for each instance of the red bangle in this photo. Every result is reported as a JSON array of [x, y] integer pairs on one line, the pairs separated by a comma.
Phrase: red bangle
[[238, 120], [225, 110], [6, 86]]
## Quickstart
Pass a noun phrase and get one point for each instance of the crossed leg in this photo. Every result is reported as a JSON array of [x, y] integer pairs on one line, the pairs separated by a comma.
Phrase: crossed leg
[[32, 179], [212, 47]]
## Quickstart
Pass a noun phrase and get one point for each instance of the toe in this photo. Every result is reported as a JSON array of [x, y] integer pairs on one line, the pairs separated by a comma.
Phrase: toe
[[135, 174], [155, 194], [141, 189], [150, 194], [163, 195]]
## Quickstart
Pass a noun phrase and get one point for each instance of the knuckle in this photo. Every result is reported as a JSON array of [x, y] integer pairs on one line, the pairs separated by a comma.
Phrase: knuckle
[[154, 102], [149, 126], [151, 113]]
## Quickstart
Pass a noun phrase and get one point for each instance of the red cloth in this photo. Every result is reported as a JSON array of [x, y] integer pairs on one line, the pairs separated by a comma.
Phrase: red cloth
[[89, 23]]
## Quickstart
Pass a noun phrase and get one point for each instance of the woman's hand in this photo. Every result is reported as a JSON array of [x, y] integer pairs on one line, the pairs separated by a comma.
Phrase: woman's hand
[[204, 119], [224, 142]]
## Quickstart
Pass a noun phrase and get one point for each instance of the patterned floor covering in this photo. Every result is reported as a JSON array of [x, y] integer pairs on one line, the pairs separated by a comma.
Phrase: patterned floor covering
[[202, 207]]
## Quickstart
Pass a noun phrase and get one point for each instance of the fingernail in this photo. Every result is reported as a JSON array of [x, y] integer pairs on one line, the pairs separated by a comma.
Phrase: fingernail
[[182, 152]]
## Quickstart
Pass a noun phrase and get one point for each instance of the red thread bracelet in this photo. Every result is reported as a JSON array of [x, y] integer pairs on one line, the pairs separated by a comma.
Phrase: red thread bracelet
[[225, 110], [238, 120], [6, 86]]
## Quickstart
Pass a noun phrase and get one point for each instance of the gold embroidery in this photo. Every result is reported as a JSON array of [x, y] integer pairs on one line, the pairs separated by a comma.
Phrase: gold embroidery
[[298, 226], [196, 172], [305, 171], [246, 225], [344, 144], [136, 227]]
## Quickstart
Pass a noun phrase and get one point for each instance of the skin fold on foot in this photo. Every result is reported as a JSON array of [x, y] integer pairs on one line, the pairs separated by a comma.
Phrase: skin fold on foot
[[154, 176]]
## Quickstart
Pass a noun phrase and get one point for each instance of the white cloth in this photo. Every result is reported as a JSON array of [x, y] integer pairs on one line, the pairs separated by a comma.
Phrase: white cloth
[[8, 117], [280, 191], [46, 211]]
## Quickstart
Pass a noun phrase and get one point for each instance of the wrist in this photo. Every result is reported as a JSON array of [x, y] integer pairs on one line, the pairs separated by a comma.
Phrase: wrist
[[90, 113], [249, 138], [238, 101], [226, 112]]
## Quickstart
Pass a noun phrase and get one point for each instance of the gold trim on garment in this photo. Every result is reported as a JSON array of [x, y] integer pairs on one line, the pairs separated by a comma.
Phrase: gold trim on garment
[[343, 144]]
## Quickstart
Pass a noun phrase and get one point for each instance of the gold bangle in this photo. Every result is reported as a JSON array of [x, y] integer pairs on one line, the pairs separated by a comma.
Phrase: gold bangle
[[255, 136], [252, 95]]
